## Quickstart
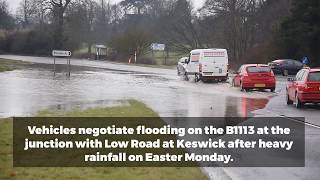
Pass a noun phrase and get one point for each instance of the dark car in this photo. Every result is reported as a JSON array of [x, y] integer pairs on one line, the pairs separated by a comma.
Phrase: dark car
[[286, 66]]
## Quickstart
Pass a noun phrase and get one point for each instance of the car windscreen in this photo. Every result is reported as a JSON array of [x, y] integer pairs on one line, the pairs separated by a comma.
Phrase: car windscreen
[[256, 69], [314, 76]]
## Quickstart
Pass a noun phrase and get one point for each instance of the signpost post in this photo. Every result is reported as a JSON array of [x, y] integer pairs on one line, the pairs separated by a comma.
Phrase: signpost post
[[59, 53]]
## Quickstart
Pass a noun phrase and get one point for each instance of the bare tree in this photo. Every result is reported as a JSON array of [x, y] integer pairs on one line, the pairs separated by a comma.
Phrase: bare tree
[[138, 5], [59, 7], [179, 29], [239, 22], [6, 21]]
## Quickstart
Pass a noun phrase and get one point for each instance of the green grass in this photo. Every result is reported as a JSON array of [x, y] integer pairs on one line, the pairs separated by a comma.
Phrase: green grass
[[136, 109], [157, 66], [10, 65], [172, 60]]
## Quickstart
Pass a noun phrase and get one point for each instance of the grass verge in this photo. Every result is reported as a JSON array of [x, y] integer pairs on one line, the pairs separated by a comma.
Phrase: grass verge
[[156, 66], [136, 109], [10, 65]]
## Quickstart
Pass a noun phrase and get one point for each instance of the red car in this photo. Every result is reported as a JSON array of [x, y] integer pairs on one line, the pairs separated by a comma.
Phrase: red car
[[304, 88], [255, 76]]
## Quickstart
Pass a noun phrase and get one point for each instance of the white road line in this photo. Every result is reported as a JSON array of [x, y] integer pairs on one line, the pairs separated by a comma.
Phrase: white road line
[[306, 123]]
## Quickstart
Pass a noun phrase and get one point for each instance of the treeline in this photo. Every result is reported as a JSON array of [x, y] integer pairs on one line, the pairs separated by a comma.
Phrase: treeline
[[251, 30]]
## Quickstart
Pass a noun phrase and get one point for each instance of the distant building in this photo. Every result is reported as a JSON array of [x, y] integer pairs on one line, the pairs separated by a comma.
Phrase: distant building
[[101, 52]]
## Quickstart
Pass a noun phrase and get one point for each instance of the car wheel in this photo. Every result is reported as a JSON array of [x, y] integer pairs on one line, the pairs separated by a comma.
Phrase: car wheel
[[242, 88], [273, 90], [298, 103], [285, 72], [233, 83], [197, 78], [225, 79], [289, 102], [186, 77]]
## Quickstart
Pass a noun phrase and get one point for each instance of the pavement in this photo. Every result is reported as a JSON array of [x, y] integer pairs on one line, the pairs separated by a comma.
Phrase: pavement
[[97, 83]]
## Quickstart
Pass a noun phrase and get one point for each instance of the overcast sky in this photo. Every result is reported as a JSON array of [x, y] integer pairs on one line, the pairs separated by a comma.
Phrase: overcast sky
[[15, 3]]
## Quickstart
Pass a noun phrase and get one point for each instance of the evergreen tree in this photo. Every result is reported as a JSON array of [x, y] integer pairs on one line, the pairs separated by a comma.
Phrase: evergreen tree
[[301, 31]]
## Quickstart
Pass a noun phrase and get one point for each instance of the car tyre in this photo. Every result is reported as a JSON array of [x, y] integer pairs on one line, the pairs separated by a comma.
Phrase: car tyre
[[273, 90], [197, 78], [242, 88], [186, 77], [289, 102], [233, 83], [298, 103]]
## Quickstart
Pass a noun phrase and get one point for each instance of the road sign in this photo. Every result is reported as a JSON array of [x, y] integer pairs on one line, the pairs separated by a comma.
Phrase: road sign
[[158, 47], [59, 53], [305, 60]]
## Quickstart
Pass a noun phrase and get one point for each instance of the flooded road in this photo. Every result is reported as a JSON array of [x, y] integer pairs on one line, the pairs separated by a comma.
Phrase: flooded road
[[25, 92], [95, 84]]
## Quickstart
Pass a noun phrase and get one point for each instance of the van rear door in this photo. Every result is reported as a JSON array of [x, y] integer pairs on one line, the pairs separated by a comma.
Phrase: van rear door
[[214, 63]]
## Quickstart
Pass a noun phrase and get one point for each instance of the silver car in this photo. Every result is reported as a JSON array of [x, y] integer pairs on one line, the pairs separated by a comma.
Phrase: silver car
[[181, 68]]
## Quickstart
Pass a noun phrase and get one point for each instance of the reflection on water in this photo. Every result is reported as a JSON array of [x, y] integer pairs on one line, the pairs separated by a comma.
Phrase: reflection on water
[[25, 92]]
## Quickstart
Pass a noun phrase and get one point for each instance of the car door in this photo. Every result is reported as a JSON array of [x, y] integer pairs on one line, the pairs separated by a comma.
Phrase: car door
[[297, 83], [291, 86], [193, 64]]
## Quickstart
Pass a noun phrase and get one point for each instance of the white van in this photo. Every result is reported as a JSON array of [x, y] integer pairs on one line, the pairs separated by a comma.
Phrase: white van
[[208, 64]]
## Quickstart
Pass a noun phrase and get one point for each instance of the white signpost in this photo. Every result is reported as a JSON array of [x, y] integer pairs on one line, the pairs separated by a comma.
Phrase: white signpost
[[158, 47], [60, 53]]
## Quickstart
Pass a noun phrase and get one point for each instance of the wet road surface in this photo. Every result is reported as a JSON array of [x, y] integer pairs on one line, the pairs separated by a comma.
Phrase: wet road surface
[[25, 92]]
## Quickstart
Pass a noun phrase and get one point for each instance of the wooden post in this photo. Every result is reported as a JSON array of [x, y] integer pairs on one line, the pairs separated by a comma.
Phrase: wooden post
[[165, 59], [69, 67], [54, 66], [153, 60]]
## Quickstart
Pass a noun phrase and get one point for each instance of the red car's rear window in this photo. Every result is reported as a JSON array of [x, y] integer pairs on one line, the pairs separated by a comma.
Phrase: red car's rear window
[[256, 69], [314, 76]]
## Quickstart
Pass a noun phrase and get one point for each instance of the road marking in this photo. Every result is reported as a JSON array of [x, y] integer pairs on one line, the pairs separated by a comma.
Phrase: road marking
[[306, 123], [296, 120]]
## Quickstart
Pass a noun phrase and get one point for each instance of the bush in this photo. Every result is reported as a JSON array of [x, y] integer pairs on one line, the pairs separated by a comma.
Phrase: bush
[[135, 39]]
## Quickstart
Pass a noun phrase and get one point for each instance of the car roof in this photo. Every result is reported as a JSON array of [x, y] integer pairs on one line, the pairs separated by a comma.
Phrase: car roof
[[202, 50], [315, 70], [254, 65], [284, 60]]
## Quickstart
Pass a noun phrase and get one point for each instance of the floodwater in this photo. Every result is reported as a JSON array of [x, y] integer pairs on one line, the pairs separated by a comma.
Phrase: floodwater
[[25, 92]]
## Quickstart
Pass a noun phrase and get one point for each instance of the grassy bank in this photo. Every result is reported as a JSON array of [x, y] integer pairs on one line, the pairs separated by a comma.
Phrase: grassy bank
[[135, 109], [10, 65]]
